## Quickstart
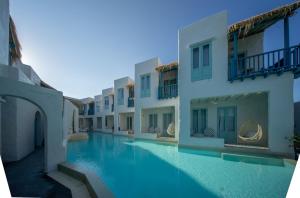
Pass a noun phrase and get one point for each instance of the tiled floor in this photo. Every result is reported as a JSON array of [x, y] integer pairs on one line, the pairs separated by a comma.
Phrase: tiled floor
[[27, 179]]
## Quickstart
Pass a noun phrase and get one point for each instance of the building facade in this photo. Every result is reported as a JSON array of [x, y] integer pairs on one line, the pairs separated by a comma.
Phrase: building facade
[[124, 106], [225, 91]]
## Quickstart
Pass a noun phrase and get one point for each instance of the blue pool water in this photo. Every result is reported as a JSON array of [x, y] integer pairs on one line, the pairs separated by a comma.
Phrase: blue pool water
[[149, 169]]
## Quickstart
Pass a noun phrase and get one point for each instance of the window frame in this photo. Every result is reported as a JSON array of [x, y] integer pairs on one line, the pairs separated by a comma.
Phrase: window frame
[[199, 118], [121, 96], [145, 85], [203, 71]]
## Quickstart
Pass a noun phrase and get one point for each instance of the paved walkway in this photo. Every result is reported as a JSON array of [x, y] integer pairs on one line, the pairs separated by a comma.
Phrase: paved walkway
[[78, 189], [27, 179]]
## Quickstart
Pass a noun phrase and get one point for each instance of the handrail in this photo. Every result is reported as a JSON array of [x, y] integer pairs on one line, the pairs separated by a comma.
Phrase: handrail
[[167, 91], [275, 61]]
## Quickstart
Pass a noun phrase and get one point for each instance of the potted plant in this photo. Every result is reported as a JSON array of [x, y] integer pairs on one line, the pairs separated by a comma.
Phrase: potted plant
[[295, 142]]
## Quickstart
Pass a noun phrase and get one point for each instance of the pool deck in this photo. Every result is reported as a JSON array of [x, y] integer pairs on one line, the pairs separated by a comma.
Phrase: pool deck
[[26, 178]]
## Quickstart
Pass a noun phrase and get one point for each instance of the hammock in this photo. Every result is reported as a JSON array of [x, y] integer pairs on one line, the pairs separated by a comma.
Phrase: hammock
[[171, 129], [247, 132]]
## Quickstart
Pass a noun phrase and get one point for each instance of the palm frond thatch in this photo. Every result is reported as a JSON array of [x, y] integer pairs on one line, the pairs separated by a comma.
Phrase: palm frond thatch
[[262, 21], [15, 45], [167, 67]]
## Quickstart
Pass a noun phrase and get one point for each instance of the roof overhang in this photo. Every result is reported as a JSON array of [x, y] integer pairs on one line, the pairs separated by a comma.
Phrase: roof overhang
[[167, 67], [259, 23]]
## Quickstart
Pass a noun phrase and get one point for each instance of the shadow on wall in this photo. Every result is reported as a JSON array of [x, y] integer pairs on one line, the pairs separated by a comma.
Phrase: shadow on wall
[[22, 128], [136, 171]]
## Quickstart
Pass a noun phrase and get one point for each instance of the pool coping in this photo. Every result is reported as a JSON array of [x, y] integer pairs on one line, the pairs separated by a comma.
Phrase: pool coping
[[256, 151], [94, 184], [245, 151]]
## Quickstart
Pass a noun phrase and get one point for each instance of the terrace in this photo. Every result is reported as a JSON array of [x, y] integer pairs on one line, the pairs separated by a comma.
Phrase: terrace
[[130, 95], [263, 64], [168, 83]]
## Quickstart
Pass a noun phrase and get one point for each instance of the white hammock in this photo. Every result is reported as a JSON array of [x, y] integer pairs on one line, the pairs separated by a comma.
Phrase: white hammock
[[249, 135], [171, 129]]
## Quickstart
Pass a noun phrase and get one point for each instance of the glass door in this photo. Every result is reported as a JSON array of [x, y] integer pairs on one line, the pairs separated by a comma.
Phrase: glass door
[[227, 124]]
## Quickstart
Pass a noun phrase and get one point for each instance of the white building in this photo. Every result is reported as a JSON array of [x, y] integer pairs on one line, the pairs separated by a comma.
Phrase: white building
[[156, 101], [98, 119], [86, 114], [124, 106], [32, 113], [107, 112], [232, 93]]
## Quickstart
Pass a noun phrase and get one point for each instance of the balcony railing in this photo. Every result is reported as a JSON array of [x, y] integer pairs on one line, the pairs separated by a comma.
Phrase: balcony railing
[[91, 112], [130, 102], [167, 91], [273, 62]]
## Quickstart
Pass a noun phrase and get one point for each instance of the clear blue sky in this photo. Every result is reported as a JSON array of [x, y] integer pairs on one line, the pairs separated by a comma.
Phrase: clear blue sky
[[81, 46]]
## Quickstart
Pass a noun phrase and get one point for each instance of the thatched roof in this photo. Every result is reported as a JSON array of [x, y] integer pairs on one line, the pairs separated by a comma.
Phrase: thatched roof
[[167, 67], [259, 23], [15, 46], [129, 85]]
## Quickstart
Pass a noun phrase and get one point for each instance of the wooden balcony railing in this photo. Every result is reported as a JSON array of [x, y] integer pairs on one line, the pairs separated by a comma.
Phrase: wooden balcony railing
[[167, 91], [273, 62]]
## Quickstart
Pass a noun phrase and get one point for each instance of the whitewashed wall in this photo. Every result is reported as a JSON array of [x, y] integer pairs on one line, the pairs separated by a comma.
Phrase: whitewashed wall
[[69, 118], [121, 83], [148, 67], [4, 31], [280, 89], [107, 112]]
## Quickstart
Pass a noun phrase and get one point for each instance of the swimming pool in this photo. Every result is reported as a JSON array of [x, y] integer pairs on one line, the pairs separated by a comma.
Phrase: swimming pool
[[149, 169]]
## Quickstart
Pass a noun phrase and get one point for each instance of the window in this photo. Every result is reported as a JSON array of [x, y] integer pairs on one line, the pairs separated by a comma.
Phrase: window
[[152, 122], [205, 52], [196, 57], [201, 62], [97, 107], [99, 122], [199, 120], [121, 96], [106, 102], [145, 85]]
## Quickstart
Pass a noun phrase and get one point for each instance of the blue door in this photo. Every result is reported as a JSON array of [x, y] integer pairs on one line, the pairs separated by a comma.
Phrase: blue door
[[227, 124]]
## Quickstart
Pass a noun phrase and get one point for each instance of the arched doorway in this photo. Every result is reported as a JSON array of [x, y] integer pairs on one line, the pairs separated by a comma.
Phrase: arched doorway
[[50, 103], [38, 130]]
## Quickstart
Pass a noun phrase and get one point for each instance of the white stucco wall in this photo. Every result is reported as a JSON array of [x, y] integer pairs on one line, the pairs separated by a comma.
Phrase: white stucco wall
[[25, 127], [280, 89], [51, 104], [69, 118], [9, 129], [107, 112], [121, 83], [4, 31], [148, 67]]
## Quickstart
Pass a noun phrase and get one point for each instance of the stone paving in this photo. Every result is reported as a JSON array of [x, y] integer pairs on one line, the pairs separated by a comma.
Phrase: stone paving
[[27, 179]]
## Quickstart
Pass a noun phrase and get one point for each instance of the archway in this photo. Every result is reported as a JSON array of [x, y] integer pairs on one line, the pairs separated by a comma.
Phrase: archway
[[50, 102], [38, 130]]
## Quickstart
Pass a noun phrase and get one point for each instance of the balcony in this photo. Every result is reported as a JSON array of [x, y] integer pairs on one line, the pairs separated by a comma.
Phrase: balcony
[[264, 64], [130, 102], [167, 91], [81, 112], [91, 112]]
